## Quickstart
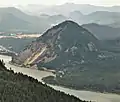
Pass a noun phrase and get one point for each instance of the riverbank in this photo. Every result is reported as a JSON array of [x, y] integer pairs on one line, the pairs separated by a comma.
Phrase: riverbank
[[84, 95], [42, 69], [54, 81], [30, 72]]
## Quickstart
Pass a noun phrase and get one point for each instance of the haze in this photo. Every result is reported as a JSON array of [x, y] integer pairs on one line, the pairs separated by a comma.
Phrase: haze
[[57, 2]]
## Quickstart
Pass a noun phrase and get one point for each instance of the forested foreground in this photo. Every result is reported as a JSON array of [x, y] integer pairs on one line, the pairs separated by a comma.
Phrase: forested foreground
[[21, 88]]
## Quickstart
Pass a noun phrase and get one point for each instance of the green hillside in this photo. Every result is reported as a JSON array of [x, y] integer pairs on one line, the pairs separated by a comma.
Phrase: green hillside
[[22, 88]]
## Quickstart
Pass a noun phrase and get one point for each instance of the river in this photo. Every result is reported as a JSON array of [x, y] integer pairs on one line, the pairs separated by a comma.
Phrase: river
[[84, 95]]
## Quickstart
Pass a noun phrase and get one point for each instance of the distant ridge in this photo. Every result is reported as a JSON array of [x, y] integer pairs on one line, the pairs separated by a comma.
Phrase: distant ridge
[[103, 32]]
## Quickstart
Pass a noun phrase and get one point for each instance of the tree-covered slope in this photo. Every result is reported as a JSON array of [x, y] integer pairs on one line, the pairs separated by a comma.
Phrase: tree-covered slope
[[103, 75], [21, 88]]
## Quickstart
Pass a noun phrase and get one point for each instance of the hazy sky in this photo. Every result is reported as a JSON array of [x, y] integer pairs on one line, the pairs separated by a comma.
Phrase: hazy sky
[[52, 2]]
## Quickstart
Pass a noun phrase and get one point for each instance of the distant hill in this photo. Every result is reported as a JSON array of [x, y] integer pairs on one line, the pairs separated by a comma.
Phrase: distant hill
[[76, 16], [65, 45], [22, 88], [56, 19], [98, 17], [80, 13], [103, 17], [103, 32], [12, 19], [65, 9]]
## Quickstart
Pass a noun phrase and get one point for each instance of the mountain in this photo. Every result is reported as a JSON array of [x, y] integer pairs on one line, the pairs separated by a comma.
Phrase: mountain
[[76, 16], [79, 61], [56, 19], [103, 17], [8, 20], [98, 17], [32, 9], [103, 32], [16, 87], [14, 20], [81, 13], [77, 57], [64, 45], [66, 8]]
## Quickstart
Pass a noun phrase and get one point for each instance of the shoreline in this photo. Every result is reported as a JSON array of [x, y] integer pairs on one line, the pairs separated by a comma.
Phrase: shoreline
[[45, 69], [81, 94], [81, 89]]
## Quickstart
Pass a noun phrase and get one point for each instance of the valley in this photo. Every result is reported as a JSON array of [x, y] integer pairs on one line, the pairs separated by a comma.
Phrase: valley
[[53, 50], [21, 87], [84, 95]]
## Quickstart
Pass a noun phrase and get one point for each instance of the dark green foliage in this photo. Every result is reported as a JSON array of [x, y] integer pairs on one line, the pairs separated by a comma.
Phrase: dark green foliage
[[112, 45], [22, 88], [101, 75]]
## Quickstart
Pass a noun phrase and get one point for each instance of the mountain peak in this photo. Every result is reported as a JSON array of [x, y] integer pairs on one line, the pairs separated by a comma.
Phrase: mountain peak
[[66, 39], [66, 26], [67, 23]]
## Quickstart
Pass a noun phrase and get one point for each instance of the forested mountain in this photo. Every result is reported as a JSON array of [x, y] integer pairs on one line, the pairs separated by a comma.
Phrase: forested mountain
[[64, 45], [103, 32], [22, 88]]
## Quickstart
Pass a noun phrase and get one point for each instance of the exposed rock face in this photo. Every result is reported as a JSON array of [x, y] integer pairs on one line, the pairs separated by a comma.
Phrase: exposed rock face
[[66, 44]]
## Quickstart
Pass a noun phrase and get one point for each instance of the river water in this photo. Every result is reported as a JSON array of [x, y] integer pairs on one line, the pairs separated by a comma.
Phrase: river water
[[84, 95]]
